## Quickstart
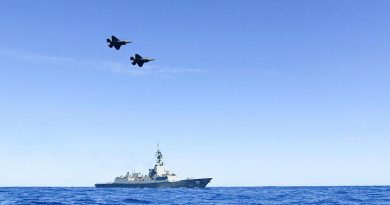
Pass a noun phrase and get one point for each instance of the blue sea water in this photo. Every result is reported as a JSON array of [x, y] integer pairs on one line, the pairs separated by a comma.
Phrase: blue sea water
[[219, 195]]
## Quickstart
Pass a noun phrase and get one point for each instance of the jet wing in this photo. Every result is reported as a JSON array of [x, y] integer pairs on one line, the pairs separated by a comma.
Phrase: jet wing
[[117, 47], [140, 63], [137, 56], [115, 39]]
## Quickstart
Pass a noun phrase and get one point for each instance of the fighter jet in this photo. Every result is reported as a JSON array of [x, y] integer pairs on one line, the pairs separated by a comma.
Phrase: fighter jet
[[139, 60], [114, 41]]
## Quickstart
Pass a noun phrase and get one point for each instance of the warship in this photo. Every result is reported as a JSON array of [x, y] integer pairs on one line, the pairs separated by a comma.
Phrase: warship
[[158, 177]]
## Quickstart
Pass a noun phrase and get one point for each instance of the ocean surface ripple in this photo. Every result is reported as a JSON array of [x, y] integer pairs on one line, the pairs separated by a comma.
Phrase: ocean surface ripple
[[377, 195]]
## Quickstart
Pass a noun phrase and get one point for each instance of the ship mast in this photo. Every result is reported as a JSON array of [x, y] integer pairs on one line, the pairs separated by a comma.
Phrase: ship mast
[[159, 156]]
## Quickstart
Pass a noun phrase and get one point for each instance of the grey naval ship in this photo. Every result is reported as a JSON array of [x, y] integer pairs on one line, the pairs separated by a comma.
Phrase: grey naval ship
[[158, 177]]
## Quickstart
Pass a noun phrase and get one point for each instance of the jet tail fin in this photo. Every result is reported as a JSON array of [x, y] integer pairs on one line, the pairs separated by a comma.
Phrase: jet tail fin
[[108, 40]]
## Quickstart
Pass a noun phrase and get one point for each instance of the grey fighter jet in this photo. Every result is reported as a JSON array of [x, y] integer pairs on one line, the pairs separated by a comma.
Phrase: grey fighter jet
[[139, 60], [114, 41]]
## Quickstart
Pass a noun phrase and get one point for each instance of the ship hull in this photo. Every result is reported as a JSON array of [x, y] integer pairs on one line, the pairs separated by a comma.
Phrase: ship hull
[[187, 183]]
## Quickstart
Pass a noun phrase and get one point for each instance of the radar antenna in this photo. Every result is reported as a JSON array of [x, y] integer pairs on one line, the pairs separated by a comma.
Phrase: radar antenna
[[159, 156]]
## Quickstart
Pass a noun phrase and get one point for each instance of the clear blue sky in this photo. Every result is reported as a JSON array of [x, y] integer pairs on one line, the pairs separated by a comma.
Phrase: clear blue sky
[[246, 92]]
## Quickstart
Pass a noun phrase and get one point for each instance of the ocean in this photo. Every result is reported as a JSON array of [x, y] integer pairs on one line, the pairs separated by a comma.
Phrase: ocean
[[212, 195]]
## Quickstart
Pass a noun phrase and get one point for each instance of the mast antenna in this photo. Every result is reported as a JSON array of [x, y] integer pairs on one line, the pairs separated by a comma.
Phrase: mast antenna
[[159, 156]]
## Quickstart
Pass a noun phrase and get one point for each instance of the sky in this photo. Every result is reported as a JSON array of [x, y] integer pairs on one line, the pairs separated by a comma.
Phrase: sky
[[251, 93]]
